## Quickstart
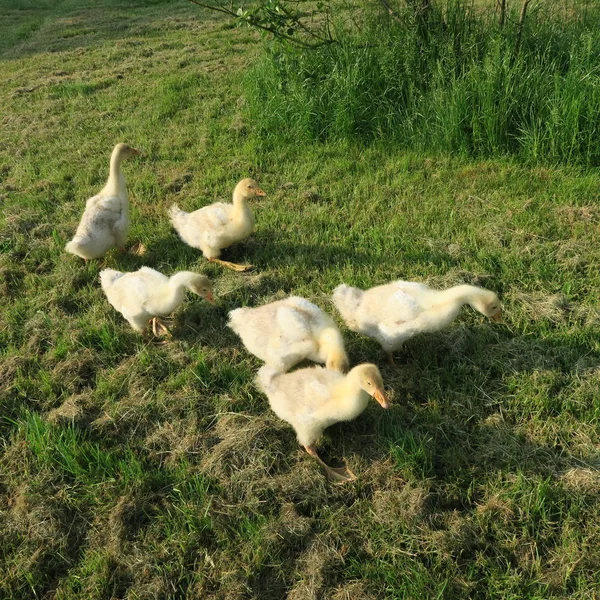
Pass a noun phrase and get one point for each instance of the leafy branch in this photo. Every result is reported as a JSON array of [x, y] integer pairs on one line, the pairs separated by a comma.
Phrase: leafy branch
[[283, 20]]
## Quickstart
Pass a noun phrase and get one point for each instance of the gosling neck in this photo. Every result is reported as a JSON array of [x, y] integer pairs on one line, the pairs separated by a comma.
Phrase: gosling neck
[[181, 280], [116, 181], [331, 348], [459, 295], [240, 205], [349, 397], [174, 290]]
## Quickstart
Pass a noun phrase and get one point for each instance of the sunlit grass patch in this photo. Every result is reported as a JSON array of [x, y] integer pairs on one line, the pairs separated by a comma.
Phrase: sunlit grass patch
[[133, 469]]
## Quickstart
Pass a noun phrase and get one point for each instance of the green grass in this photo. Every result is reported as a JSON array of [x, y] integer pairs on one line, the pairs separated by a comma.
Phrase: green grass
[[131, 470], [457, 84]]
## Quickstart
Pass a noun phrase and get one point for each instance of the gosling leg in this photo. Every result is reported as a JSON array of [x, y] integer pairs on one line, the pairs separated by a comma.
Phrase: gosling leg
[[230, 265], [138, 249], [335, 474], [160, 329]]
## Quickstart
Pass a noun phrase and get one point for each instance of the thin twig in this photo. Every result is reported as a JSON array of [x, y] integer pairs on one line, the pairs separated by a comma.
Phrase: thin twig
[[502, 18], [254, 23], [215, 8], [521, 25], [297, 21], [391, 12]]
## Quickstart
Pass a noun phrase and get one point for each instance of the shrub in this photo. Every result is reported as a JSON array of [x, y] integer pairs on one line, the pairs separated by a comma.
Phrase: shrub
[[458, 83]]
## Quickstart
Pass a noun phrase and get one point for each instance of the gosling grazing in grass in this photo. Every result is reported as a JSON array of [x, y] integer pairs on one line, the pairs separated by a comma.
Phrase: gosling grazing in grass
[[219, 225], [395, 312], [105, 221], [145, 294], [312, 399], [285, 332]]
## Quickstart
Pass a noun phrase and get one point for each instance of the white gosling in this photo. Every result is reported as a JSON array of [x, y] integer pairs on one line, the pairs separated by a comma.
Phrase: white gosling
[[395, 312], [145, 294], [285, 332], [312, 399], [219, 225], [105, 221]]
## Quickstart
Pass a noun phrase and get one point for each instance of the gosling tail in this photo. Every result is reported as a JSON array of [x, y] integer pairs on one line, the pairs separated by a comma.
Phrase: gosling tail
[[347, 300], [73, 248], [236, 320], [79, 246], [265, 379], [177, 216], [108, 277]]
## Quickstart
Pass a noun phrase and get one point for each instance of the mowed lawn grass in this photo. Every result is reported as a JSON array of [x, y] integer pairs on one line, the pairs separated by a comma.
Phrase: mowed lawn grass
[[135, 470]]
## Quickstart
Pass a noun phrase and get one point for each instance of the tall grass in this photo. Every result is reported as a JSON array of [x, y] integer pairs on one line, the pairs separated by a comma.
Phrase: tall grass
[[458, 84]]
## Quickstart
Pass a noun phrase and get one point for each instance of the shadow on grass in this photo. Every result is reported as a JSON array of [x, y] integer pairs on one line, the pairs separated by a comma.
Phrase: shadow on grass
[[456, 395], [264, 250], [170, 250], [267, 249]]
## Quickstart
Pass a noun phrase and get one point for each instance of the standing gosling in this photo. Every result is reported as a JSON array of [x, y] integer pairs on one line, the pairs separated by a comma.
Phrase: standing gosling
[[312, 399], [105, 221], [219, 225]]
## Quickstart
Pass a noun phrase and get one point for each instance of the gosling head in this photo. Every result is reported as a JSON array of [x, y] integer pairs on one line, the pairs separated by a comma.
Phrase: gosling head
[[125, 150], [248, 188], [488, 304], [203, 287], [372, 383]]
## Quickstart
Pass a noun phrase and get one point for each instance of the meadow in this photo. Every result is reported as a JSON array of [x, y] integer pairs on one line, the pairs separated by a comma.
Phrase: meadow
[[135, 470]]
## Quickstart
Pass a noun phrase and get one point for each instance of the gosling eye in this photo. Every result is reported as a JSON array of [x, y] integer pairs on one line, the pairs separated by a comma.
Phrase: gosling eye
[[368, 383]]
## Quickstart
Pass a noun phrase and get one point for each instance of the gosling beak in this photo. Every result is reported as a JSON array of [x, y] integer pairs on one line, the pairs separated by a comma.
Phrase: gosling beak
[[497, 317], [135, 152], [380, 396], [259, 192], [210, 298]]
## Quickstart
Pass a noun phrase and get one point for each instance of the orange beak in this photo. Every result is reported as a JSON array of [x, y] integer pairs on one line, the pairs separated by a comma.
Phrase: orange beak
[[380, 396], [259, 192], [210, 298], [497, 317]]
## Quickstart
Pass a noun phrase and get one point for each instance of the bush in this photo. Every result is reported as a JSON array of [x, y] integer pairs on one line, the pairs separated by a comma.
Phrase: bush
[[458, 83]]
